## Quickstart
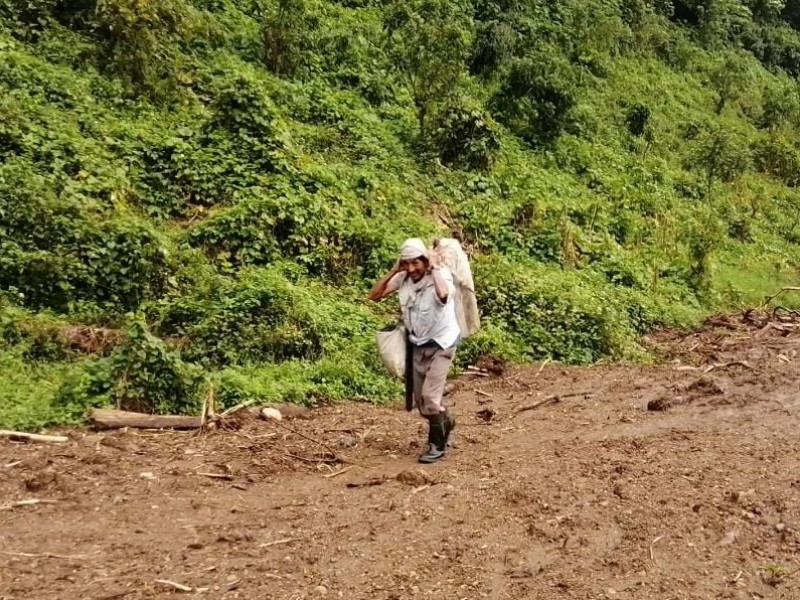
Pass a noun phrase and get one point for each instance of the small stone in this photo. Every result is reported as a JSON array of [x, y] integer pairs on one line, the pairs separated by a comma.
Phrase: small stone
[[780, 527], [147, 475], [320, 590], [729, 538], [271, 413]]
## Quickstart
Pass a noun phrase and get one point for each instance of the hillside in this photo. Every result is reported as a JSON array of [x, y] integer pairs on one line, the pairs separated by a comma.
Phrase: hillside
[[195, 196]]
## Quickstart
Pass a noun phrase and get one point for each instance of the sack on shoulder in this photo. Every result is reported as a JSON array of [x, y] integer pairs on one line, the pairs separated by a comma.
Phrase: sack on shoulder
[[454, 258]]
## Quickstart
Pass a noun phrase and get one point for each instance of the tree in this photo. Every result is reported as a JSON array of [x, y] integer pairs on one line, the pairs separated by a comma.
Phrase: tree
[[140, 35], [428, 42], [729, 79], [289, 35], [721, 155], [537, 98]]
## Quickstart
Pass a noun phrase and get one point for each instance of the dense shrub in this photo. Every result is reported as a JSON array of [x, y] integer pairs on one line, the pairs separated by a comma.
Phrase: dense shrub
[[536, 98]]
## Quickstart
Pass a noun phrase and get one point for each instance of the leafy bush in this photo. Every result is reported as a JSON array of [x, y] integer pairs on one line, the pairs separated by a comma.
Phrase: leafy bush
[[465, 138], [59, 251], [149, 377], [536, 98], [138, 35], [778, 155], [555, 316], [268, 315]]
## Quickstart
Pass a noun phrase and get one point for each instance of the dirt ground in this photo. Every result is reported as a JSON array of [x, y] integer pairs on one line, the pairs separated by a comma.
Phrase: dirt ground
[[590, 495]]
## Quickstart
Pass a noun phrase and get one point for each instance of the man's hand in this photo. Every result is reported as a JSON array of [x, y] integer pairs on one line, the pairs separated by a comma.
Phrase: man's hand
[[381, 289], [398, 267]]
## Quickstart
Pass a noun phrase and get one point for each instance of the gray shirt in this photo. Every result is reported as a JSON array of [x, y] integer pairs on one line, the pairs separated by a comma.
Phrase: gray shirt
[[426, 317]]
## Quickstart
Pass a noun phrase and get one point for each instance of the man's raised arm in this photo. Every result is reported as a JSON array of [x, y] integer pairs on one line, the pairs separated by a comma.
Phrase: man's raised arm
[[382, 289]]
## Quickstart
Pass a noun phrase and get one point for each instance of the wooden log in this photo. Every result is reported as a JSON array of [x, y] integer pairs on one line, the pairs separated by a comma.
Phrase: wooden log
[[107, 418], [33, 437]]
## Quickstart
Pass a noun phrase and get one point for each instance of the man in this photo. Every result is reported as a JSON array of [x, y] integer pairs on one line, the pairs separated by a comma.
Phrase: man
[[427, 299]]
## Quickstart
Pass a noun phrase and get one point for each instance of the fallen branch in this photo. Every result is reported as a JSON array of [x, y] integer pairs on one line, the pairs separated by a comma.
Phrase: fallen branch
[[769, 326], [482, 393], [33, 437], [552, 400], [106, 418], [368, 483], [178, 586], [29, 502], [238, 407]]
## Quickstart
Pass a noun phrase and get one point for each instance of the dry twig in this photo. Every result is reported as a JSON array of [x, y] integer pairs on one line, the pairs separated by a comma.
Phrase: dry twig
[[45, 555], [224, 476], [781, 291], [653, 543], [238, 407], [552, 400], [544, 364], [29, 502], [734, 363], [337, 473], [175, 585], [32, 437], [277, 543]]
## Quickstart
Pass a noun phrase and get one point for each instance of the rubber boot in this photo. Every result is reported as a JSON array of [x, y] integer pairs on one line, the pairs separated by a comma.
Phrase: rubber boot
[[450, 425], [437, 438]]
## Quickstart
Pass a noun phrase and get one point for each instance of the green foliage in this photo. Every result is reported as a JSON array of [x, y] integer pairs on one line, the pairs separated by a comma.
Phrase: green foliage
[[465, 138], [238, 173], [59, 251], [721, 154], [138, 35], [149, 377], [781, 105], [553, 316], [428, 43], [778, 155], [729, 79], [537, 98], [290, 32], [637, 119], [265, 316]]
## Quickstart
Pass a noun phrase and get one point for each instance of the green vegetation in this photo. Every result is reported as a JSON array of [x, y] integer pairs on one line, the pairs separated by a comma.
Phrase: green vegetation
[[199, 192]]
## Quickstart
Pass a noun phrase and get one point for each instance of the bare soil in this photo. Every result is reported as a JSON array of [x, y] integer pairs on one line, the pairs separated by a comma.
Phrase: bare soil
[[590, 495]]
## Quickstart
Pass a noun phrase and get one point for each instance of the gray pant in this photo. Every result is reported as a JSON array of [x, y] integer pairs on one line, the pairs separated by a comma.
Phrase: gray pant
[[431, 365]]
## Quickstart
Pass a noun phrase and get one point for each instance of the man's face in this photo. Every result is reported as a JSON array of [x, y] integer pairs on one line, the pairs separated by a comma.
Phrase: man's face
[[415, 268]]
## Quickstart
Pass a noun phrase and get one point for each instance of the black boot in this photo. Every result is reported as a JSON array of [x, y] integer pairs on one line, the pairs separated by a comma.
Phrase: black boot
[[450, 425], [437, 438]]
